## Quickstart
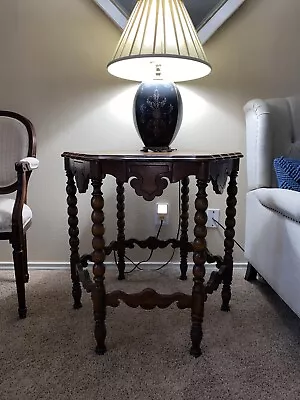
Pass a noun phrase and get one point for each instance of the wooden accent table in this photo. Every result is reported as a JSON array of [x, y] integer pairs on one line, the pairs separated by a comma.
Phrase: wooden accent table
[[149, 172]]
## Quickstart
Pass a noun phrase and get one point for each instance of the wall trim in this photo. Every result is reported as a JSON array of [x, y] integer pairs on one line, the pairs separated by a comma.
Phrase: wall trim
[[218, 19], [62, 265], [204, 33]]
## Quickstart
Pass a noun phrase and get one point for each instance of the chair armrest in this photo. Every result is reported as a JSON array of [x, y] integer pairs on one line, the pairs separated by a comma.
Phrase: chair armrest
[[30, 163], [23, 168]]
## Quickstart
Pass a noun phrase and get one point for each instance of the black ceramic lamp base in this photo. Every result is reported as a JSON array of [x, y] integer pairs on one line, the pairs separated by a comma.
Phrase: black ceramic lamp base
[[157, 114], [157, 149]]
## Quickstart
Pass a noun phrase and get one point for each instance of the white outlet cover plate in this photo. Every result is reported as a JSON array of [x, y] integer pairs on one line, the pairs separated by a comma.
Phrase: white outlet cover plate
[[212, 213]]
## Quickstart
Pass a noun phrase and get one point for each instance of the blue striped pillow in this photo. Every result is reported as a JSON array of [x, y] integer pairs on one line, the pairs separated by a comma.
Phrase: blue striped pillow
[[288, 173]]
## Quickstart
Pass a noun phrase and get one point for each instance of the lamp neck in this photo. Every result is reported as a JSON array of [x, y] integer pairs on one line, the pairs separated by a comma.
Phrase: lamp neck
[[158, 71]]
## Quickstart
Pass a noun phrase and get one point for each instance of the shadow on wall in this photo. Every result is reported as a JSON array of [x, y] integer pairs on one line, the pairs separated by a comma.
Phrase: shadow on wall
[[85, 117]]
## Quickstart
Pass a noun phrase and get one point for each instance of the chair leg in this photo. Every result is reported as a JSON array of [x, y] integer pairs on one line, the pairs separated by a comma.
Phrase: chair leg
[[25, 260], [251, 273], [20, 281]]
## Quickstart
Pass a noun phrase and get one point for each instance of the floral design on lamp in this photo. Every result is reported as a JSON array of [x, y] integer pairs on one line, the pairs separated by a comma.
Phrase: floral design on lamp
[[159, 46], [157, 113]]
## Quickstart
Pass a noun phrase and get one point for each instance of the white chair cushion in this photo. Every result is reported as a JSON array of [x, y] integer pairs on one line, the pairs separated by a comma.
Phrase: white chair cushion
[[6, 210], [283, 201]]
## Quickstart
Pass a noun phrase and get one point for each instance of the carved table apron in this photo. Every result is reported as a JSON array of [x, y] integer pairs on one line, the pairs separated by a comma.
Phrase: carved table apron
[[149, 172]]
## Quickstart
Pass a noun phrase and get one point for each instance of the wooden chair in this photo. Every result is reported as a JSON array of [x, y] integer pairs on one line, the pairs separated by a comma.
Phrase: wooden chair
[[17, 160]]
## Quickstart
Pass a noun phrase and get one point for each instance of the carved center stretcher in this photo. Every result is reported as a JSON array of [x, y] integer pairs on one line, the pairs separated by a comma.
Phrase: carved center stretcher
[[149, 172]]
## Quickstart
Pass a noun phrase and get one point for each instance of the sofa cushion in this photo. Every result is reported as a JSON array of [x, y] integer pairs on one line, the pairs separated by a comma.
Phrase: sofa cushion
[[285, 202], [287, 173]]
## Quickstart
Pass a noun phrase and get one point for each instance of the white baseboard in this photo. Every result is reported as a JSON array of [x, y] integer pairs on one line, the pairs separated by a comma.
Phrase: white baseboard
[[45, 265]]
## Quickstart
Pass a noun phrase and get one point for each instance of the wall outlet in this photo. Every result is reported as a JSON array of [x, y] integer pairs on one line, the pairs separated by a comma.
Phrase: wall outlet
[[161, 213], [212, 213]]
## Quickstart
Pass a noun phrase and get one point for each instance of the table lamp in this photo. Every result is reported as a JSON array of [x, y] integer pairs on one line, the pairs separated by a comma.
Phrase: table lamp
[[159, 46]]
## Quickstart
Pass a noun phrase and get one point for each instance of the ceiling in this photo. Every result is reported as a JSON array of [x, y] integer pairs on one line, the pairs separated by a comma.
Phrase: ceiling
[[199, 10]]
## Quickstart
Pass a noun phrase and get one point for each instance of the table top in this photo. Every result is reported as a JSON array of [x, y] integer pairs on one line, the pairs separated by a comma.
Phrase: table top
[[150, 156]]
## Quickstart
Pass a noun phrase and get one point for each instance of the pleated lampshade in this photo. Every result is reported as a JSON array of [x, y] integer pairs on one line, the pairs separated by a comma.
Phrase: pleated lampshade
[[159, 42]]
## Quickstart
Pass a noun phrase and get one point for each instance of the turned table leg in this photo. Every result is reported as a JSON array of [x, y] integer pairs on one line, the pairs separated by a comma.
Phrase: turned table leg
[[121, 229], [73, 238], [184, 218], [229, 240], [199, 258], [98, 257]]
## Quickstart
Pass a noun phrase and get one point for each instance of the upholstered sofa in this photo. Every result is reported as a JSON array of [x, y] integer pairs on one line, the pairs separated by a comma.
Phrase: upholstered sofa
[[272, 241]]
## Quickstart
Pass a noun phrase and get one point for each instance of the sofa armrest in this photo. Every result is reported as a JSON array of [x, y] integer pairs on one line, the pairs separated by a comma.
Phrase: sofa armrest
[[272, 130], [258, 144], [281, 201]]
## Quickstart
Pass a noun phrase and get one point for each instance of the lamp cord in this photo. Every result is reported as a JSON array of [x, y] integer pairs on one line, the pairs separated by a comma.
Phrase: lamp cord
[[178, 230], [137, 265], [217, 222]]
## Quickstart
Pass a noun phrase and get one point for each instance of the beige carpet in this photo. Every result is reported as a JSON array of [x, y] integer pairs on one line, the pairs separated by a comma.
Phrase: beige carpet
[[250, 353]]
